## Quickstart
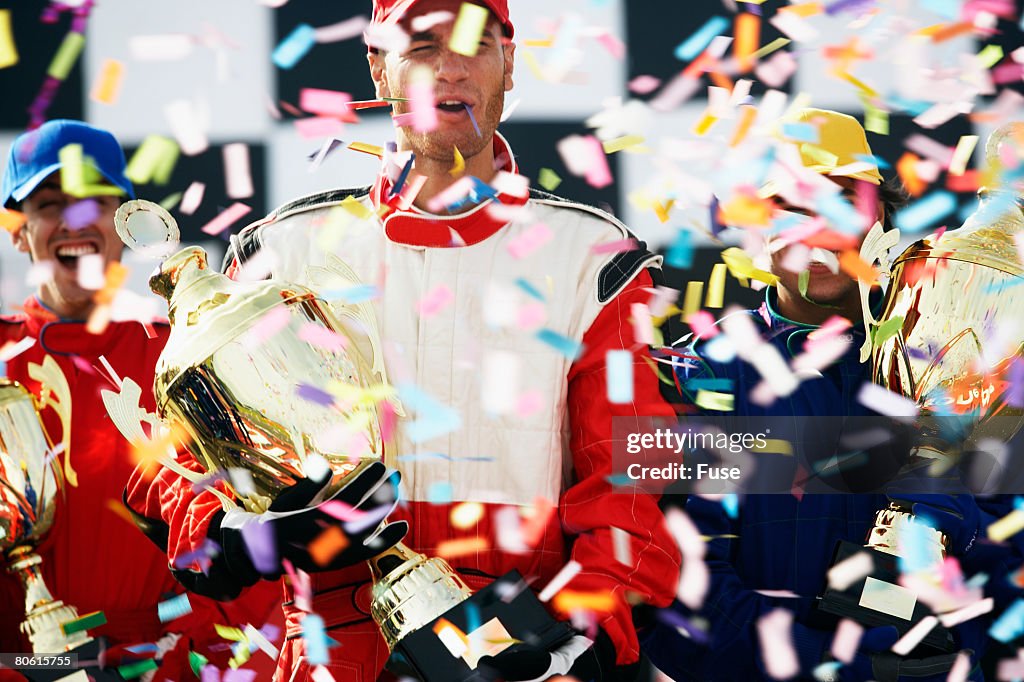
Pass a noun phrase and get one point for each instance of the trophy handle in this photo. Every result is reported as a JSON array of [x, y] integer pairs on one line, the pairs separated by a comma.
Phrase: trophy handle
[[1014, 129], [55, 393], [875, 248]]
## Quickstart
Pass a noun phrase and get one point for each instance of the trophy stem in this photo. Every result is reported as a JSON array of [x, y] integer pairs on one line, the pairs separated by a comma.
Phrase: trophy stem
[[410, 591], [43, 614]]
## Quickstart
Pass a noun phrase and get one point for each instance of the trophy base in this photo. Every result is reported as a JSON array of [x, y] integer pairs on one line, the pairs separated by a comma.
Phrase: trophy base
[[520, 617], [878, 599], [90, 651]]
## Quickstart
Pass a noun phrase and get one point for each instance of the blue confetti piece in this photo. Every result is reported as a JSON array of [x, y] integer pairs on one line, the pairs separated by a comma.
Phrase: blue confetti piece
[[570, 348], [926, 213], [147, 648], [620, 480], [432, 418], [949, 9], [871, 158], [314, 395], [915, 549], [472, 119], [530, 289], [619, 380], [840, 213], [709, 384], [440, 492], [717, 227], [1010, 624], [173, 608], [695, 44], [351, 295], [680, 254], [720, 349], [801, 132], [316, 640], [731, 504], [403, 176], [472, 616], [294, 47]]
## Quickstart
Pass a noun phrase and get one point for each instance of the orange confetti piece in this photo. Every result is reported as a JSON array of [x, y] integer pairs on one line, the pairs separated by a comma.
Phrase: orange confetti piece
[[747, 119], [567, 601], [852, 264], [906, 168], [11, 220], [466, 514], [745, 210], [807, 9], [950, 31], [118, 508], [327, 545], [116, 275], [108, 85], [450, 549], [748, 37]]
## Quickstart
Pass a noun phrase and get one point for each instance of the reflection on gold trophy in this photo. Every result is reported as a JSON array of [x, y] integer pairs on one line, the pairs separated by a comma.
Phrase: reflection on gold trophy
[[956, 303], [30, 483], [229, 382]]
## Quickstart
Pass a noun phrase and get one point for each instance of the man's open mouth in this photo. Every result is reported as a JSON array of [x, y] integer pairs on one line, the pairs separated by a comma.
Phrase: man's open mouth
[[68, 254], [452, 106]]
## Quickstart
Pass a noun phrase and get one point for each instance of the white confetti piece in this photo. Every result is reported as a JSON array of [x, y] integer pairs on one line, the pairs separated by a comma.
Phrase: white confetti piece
[[850, 570], [846, 640], [978, 608], [188, 125], [886, 402], [343, 30], [167, 47], [774, 631], [568, 572], [90, 272], [499, 389], [192, 198], [621, 545], [914, 636], [237, 172]]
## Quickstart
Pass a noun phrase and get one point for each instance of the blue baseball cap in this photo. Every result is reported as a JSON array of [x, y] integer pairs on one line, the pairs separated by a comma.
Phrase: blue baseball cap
[[35, 155]]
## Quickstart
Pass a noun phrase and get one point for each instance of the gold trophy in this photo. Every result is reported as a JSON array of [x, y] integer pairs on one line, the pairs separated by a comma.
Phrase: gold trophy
[[229, 384], [952, 300], [30, 484]]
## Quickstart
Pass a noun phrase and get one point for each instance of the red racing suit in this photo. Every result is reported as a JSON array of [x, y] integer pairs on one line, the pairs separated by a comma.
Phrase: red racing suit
[[586, 508], [93, 557]]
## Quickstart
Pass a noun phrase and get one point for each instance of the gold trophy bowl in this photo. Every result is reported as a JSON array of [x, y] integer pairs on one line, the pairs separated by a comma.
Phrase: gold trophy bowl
[[30, 482], [244, 391], [952, 299]]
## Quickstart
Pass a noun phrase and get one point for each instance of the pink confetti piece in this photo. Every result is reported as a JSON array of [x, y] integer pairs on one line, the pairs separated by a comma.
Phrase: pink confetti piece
[[237, 171], [703, 324], [403, 120], [584, 156], [226, 218], [342, 511], [316, 127], [774, 631], [192, 198], [210, 673], [268, 325], [523, 245], [422, 106], [455, 191], [508, 531], [846, 640], [850, 570], [644, 85], [886, 402], [777, 69], [621, 544], [324, 102], [620, 246], [322, 337], [978, 608], [511, 184], [531, 316], [529, 403], [643, 326], [412, 189], [612, 43], [914, 636], [929, 148], [1010, 669], [425, 22], [322, 674], [81, 214], [343, 30], [961, 669], [435, 301], [561, 579]]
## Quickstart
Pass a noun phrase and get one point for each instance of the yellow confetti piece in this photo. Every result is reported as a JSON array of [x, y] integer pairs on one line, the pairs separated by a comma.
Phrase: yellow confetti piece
[[716, 287], [663, 210], [356, 208], [450, 549], [466, 514], [1006, 527], [67, 55], [567, 601], [691, 299], [713, 400], [11, 220], [118, 508], [72, 169], [807, 9], [742, 266], [962, 154], [153, 161], [865, 89], [775, 446], [460, 164], [547, 42], [535, 68], [876, 120], [745, 210], [776, 44], [8, 50], [818, 155], [549, 179], [990, 55], [108, 85], [469, 26], [704, 124], [366, 148], [620, 143]]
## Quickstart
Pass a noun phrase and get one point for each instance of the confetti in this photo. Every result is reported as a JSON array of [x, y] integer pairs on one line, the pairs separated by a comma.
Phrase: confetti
[[459, 165], [451, 549], [619, 376], [712, 400], [622, 143], [175, 607], [324, 102], [90, 271], [468, 29], [466, 515], [978, 608], [584, 156], [794, 27], [322, 337], [8, 50], [561, 579], [621, 545], [703, 324], [886, 402], [165, 47], [192, 198], [926, 213], [153, 161], [237, 171], [774, 631], [695, 44], [962, 154], [67, 55], [314, 395], [548, 179], [315, 638], [451, 637], [108, 84], [716, 287], [529, 242], [998, 531], [568, 347], [568, 601], [137, 669], [88, 621], [327, 545], [226, 218], [343, 30], [11, 220], [846, 640], [186, 121], [914, 636], [294, 47]]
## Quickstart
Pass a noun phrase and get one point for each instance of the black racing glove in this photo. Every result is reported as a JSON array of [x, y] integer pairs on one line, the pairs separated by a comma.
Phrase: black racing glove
[[579, 658]]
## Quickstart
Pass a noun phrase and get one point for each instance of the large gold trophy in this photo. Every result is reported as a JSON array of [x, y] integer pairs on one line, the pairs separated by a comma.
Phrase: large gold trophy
[[229, 383], [30, 486], [956, 302]]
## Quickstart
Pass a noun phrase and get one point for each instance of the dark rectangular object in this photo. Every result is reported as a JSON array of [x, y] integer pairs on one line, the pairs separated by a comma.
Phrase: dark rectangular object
[[524, 617], [846, 603]]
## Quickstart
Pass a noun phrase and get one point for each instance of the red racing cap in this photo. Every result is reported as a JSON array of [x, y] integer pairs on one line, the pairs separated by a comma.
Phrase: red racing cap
[[392, 11]]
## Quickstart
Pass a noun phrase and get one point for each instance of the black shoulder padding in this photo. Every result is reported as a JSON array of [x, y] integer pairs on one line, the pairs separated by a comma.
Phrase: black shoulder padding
[[620, 270]]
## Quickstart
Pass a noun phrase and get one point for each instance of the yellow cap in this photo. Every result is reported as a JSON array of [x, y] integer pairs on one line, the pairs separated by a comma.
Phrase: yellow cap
[[841, 139]]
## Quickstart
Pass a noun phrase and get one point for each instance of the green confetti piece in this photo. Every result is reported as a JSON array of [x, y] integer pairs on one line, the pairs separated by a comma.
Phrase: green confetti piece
[[990, 56], [153, 161], [886, 330], [876, 120], [549, 179], [133, 670], [67, 55], [197, 661], [89, 620], [169, 202]]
